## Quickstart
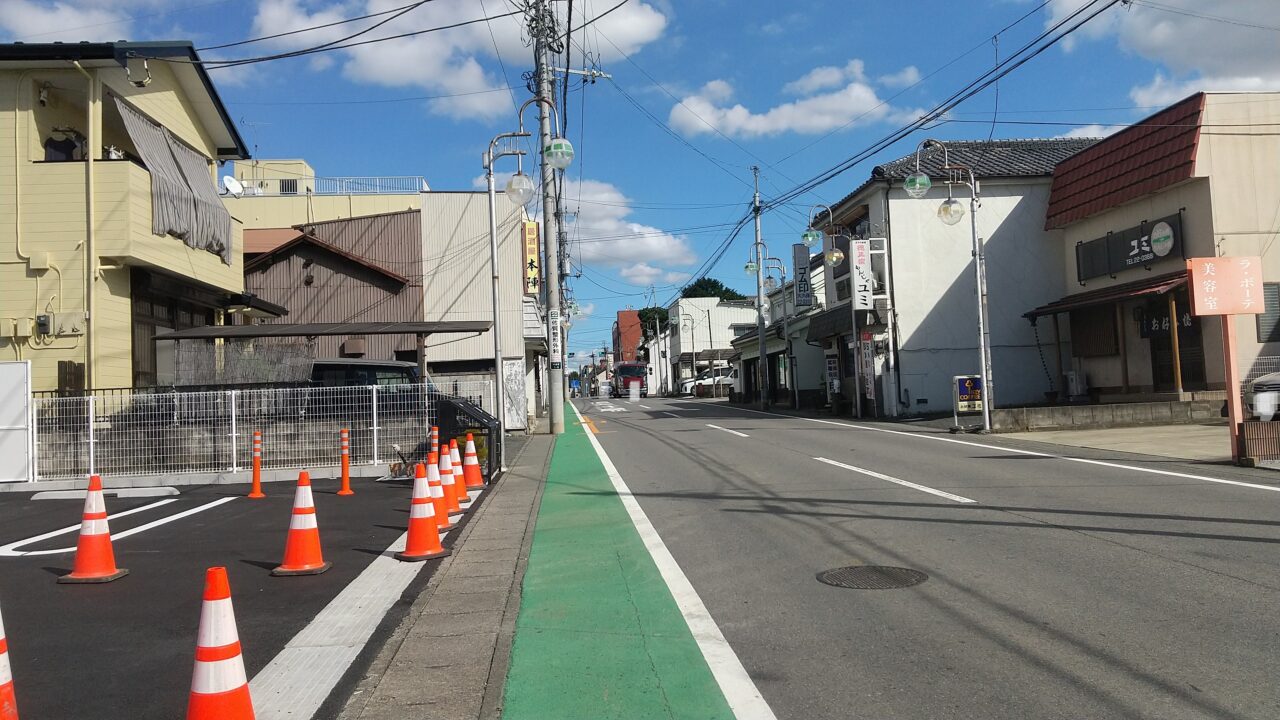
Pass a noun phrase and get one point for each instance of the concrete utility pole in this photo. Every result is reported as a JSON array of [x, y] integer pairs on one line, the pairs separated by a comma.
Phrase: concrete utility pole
[[550, 222], [762, 368]]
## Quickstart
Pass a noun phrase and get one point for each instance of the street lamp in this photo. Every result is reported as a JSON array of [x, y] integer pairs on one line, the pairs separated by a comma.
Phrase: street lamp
[[777, 264], [693, 352], [951, 212], [520, 188]]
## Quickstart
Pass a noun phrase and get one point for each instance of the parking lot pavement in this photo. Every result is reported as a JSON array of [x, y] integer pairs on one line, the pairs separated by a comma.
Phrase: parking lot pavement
[[125, 649]]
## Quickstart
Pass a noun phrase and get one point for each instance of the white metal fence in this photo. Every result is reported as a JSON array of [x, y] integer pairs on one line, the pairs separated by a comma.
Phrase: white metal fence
[[149, 433]]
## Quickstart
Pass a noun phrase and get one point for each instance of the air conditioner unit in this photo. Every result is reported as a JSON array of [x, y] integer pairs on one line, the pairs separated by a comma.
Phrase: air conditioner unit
[[1076, 384]]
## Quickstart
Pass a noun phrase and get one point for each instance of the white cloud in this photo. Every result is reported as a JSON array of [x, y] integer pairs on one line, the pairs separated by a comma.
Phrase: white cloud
[[826, 77], [585, 310], [646, 274], [1199, 53], [43, 21], [906, 77], [1092, 131], [708, 110], [461, 61], [607, 237]]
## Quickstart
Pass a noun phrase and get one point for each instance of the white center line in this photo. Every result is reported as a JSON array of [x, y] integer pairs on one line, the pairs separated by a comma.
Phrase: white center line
[[890, 478], [646, 407], [735, 432]]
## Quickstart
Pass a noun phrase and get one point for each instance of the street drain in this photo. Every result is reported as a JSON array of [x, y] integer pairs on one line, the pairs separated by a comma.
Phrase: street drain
[[872, 577]]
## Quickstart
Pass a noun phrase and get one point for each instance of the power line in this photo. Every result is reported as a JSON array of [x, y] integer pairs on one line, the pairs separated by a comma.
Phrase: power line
[[299, 31], [1201, 16], [333, 44], [377, 101]]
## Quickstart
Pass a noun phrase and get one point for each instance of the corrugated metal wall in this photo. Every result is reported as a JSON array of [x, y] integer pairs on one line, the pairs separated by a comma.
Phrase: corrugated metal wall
[[341, 291], [455, 232]]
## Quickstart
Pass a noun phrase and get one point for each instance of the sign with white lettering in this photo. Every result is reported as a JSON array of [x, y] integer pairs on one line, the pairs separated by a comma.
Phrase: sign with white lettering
[[803, 286], [967, 393], [1226, 285]]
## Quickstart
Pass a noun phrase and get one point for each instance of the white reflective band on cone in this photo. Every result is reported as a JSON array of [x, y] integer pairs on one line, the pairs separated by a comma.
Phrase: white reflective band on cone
[[217, 624], [302, 498], [423, 510], [94, 527], [6, 676], [219, 676], [93, 502], [437, 491], [421, 488], [303, 521]]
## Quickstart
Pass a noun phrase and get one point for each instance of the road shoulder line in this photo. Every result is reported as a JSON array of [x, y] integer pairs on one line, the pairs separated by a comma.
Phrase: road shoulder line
[[739, 690]]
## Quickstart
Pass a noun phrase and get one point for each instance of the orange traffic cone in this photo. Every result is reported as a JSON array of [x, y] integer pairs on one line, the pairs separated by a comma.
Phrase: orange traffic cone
[[302, 555], [423, 542], [438, 500], [435, 439], [95, 561], [459, 480], [219, 690], [8, 701], [471, 473], [446, 481]]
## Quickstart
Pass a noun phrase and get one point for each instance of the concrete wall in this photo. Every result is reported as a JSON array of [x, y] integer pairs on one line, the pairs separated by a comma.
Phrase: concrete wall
[[935, 291]]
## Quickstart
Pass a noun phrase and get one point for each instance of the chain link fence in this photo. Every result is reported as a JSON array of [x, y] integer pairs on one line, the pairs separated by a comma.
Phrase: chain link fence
[[156, 433]]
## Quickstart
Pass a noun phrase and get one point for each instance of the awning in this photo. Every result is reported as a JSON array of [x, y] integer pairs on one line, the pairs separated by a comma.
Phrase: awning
[[210, 332], [1158, 285], [836, 321]]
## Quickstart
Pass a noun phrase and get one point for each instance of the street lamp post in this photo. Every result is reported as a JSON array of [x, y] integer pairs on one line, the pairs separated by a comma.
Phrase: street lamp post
[[951, 212], [762, 370], [777, 264], [693, 351]]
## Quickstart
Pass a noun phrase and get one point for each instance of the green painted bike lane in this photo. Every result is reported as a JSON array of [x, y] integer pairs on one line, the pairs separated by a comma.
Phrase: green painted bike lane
[[599, 635]]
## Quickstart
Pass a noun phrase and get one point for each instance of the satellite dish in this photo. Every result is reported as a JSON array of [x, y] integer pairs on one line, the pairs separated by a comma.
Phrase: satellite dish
[[232, 186]]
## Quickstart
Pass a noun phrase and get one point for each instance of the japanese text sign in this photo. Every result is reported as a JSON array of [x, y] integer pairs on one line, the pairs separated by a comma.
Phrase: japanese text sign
[[967, 393], [803, 287], [1226, 285], [532, 266], [861, 261]]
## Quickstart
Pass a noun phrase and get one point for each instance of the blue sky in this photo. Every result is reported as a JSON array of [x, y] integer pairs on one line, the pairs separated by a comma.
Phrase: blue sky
[[701, 90]]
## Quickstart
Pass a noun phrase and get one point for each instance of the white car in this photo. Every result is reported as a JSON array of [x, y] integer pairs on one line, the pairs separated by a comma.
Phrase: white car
[[1262, 398], [716, 381]]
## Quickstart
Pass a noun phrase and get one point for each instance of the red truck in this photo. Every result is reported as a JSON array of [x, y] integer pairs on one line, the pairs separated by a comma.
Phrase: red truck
[[626, 374]]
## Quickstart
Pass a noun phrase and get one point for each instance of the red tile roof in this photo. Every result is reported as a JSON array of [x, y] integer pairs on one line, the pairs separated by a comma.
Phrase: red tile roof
[[1139, 160]]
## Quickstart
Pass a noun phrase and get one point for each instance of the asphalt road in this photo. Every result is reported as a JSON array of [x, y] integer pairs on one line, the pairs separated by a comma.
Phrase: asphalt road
[[125, 650], [1063, 589]]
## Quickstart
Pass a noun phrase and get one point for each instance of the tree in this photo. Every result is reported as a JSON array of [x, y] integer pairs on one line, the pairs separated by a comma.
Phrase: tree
[[710, 287], [647, 317]]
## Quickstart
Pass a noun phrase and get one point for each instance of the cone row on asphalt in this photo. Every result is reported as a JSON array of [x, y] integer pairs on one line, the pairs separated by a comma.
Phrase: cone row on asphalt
[[302, 554], [471, 473], [95, 561], [423, 542], [438, 500], [219, 687], [8, 700]]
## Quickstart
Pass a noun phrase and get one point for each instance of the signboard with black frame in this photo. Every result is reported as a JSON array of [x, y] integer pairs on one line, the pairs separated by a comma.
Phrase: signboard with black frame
[[1141, 246]]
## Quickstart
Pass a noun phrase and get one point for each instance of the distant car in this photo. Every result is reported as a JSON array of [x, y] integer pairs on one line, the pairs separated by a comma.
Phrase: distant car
[[626, 374], [717, 383], [1263, 396]]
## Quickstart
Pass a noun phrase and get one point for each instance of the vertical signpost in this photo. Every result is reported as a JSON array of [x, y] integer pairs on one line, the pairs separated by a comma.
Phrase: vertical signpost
[[532, 270], [966, 397], [861, 276], [1228, 286]]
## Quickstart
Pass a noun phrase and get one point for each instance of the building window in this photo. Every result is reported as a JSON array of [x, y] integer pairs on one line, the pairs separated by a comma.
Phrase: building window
[[289, 186], [842, 289], [1093, 332], [1269, 320]]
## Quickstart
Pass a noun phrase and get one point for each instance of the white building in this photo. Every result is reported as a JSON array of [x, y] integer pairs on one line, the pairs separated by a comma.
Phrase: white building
[[906, 366], [701, 335], [797, 376]]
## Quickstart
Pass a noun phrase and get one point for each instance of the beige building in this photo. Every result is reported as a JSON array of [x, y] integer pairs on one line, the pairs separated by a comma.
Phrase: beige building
[[1197, 179], [111, 228], [285, 193]]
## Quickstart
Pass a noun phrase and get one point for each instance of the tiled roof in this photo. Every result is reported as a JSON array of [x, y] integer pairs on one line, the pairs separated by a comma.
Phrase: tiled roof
[[1029, 157], [1139, 160]]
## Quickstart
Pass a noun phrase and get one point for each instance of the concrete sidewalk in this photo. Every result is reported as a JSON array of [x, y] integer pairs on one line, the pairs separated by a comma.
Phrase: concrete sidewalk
[[1208, 443], [448, 657]]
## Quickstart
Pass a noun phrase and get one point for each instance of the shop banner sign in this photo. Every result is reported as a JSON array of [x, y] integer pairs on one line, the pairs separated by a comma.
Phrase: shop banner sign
[[803, 286], [1133, 247], [862, 282], [1226, 286]]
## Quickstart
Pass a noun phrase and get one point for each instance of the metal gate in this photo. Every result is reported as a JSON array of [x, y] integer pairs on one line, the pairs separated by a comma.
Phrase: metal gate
[[15, 421]]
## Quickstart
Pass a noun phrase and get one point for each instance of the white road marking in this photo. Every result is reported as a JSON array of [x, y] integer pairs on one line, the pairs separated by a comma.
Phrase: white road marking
[[9, 551], [1029, 453], [301, 677], [740, 692], [735, 432], [159, 491], [646, 407], [899, 481], [673, 415]]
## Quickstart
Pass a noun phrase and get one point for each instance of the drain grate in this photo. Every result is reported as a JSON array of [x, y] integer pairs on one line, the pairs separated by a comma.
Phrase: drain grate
[[872, 577]]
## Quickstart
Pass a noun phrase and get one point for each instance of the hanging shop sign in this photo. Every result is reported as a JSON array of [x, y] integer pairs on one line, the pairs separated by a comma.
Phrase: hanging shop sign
[[532, 265], [1226, 286], [862, 279], [803, 286], [1134, 247]]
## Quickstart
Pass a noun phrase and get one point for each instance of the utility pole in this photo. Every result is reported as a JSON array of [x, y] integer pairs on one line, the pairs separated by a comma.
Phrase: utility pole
[[550, 219], [762, 368]]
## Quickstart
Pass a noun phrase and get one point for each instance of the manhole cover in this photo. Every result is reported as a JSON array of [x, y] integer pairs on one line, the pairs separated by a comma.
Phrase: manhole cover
[[872, 577]]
